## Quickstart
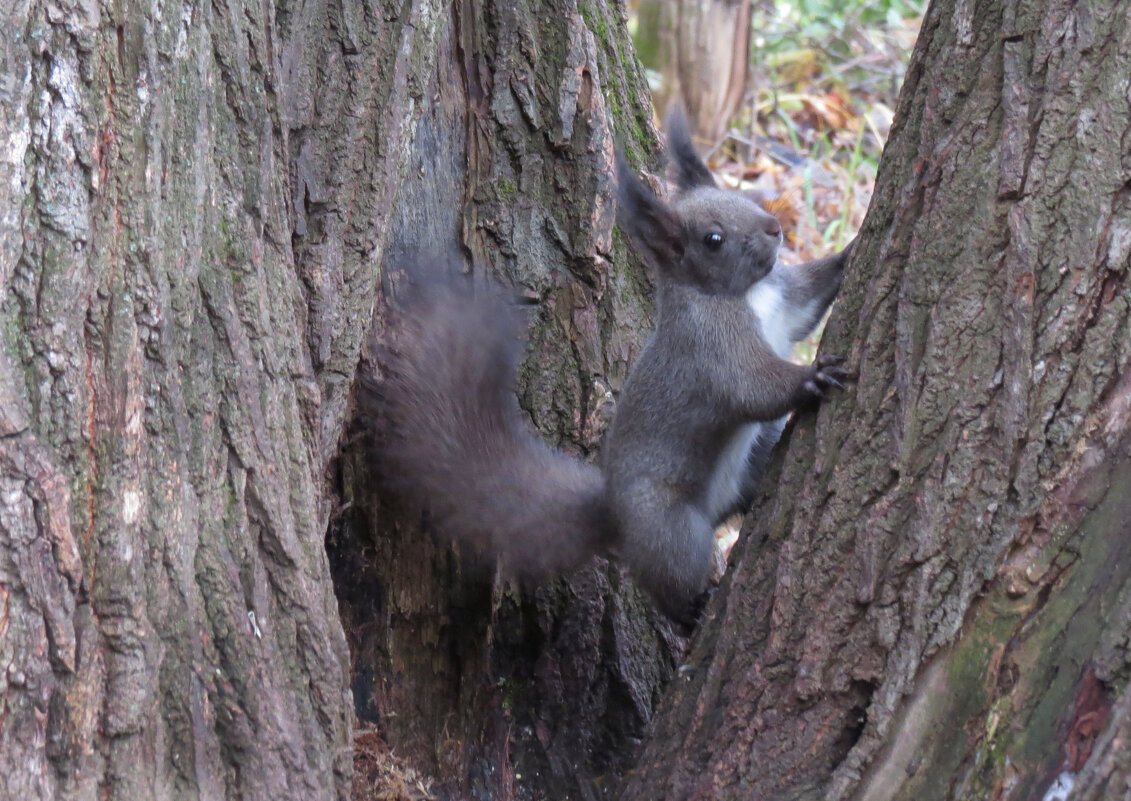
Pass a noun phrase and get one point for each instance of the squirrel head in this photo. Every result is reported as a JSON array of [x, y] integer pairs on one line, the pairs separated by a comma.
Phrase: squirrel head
[[713, 239]]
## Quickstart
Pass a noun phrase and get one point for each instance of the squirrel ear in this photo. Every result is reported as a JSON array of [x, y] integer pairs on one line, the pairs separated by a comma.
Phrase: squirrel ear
[[690, 171], [646, 218]]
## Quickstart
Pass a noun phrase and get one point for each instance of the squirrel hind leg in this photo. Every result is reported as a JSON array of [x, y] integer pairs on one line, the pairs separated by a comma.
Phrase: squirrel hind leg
[[670, 557]]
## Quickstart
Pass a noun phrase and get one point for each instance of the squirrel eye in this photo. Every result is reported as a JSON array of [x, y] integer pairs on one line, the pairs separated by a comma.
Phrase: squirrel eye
[[713, 240]]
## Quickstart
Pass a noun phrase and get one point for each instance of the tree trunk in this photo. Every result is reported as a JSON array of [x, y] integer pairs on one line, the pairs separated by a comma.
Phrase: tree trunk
[[196, 204], [931, 600], [201, 209], [701, 48], [178, 343]]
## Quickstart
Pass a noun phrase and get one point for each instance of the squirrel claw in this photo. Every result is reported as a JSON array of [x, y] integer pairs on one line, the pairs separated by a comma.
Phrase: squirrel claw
[[827, 373], [831, 381]]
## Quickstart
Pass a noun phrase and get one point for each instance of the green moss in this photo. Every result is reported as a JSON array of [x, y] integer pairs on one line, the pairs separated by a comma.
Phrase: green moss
[[630, 124], [13, 326], [598, 23], [601, 31], [506, 190], [587, 16], [1012, 680], [632, 136]]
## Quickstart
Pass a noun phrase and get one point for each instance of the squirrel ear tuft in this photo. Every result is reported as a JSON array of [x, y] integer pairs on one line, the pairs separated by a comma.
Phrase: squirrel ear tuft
[[690, 170], [645, 218]]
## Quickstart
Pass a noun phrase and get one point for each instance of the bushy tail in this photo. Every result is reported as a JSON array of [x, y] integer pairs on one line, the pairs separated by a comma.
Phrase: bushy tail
[[458, 445]]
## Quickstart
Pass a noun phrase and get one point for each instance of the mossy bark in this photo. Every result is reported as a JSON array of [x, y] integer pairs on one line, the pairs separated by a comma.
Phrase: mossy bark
[[931, 602], [204, 210], [194, 199]]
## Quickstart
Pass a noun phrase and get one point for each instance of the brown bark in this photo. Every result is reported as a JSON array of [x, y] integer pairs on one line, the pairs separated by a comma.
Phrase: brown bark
[[200, 208], [931, 600], [190, 203]]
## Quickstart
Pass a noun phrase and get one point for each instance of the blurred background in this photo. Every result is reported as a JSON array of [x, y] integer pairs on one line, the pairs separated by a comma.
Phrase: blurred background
[[791, 101]]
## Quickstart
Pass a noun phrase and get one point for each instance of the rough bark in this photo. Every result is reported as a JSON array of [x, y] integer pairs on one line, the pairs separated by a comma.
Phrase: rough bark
[[702, 51], [201, 207], [198, 204], [192, 201], [932, 599]]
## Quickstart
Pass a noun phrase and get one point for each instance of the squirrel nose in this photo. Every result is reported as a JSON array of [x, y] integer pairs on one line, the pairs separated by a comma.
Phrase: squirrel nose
[[771, 226]]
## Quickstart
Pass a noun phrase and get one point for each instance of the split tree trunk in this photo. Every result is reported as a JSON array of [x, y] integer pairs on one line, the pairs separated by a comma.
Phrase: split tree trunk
[[196, 206], [932, 602]]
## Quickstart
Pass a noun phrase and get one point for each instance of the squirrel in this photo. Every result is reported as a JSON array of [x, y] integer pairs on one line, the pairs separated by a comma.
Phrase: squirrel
[[701, 408]]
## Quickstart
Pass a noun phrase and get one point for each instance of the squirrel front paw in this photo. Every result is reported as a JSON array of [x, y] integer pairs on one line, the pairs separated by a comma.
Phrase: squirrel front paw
[[827, 373]]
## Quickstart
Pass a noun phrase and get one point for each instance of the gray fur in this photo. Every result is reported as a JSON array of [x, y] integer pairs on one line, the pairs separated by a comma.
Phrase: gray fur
[[700, 411], [706, 399], [458, 446]]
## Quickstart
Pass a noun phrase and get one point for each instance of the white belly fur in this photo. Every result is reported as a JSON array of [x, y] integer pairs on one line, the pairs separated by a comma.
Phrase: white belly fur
[[730, 470], [774, 320], [766, 301]]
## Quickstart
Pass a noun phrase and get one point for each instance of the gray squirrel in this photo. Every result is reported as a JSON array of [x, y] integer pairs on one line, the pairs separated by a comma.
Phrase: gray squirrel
[[701, 408]]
